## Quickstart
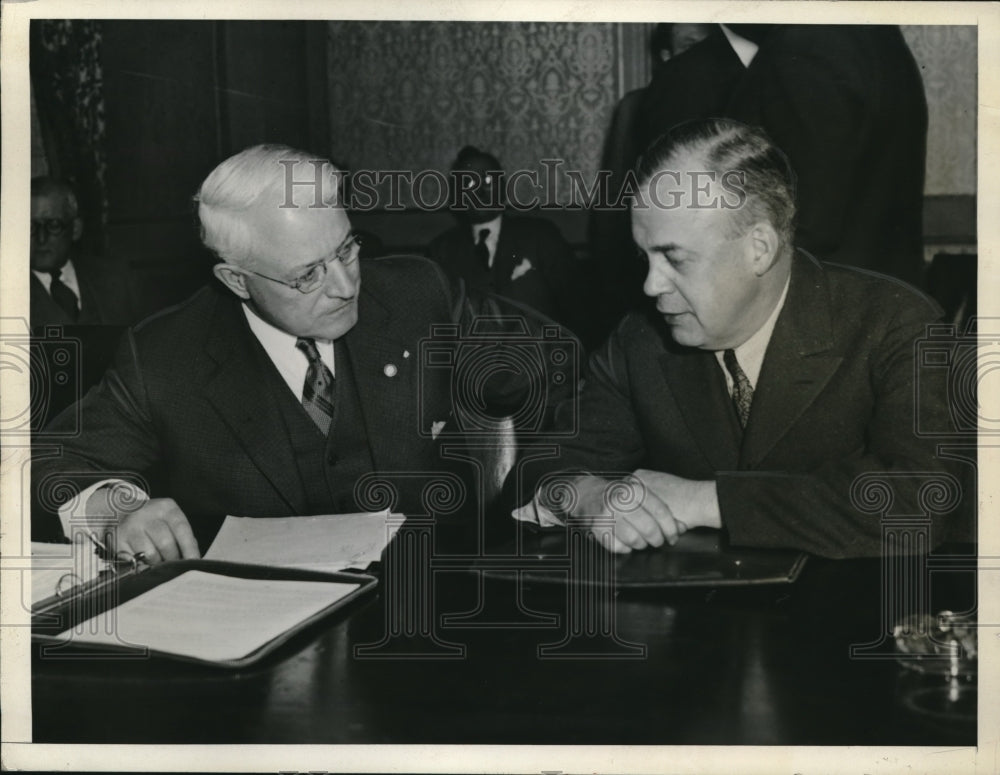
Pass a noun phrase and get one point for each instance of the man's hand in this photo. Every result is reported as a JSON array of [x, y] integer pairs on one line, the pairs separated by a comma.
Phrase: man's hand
[[654, 508], [159, 530]]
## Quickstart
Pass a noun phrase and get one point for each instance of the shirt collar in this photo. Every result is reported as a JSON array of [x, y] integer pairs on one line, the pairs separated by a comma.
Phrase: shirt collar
[[280, 347], [493, 226], [745, 49], [750, 354], [67, 274]]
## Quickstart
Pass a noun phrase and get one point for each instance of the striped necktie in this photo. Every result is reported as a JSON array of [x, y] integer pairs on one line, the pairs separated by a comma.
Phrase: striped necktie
[[317, 392], [742, 389]]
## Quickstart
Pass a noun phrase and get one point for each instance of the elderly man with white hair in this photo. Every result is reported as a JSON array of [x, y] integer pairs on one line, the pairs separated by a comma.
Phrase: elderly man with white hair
[[274, 391]]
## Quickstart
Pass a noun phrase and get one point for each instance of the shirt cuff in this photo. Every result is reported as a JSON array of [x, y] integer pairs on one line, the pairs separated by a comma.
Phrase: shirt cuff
[[75, 518], [535, 513]]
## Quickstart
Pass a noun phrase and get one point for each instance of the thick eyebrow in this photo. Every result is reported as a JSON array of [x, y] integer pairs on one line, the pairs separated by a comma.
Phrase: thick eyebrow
[[667, 247], [299, 271], [324, 260]]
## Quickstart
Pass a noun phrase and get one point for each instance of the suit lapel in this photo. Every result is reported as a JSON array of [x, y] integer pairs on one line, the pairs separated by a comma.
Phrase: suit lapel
[[240, 395], [91, 298], [798, 362], [43, 309], [386, 378], [699, 390]]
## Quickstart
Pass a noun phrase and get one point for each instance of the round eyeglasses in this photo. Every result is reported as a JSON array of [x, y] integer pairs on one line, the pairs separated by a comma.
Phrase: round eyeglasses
[[312, 279], [50, 227]]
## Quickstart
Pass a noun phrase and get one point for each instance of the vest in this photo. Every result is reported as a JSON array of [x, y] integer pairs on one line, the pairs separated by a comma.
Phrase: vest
[[327, 467]]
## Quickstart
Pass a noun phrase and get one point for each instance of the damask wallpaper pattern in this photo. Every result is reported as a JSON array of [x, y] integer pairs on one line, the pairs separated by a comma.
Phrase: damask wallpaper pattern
[[407, 95]]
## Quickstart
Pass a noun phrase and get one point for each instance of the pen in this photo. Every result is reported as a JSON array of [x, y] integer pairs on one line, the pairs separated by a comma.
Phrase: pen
[[100, 548]]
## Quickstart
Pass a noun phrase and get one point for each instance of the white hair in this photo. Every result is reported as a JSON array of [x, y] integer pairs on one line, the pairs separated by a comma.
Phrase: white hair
[[275, 175], [45, 186]]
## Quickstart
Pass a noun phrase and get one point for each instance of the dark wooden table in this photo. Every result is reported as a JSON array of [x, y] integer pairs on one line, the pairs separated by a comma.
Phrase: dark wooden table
[[496, 663]]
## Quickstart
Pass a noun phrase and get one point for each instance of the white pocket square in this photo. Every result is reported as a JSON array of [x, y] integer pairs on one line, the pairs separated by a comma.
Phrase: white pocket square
[[523, 268], [436, 429]]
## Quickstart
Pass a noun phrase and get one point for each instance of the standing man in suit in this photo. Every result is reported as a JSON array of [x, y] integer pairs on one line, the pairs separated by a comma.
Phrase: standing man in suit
[[275, 392], [65, 287], [845, 103], [610, 229], [765, 384], [523, 259]]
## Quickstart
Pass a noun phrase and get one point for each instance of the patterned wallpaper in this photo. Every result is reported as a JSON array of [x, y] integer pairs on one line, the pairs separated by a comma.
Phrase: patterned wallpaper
[[947, 57], [407, 95]]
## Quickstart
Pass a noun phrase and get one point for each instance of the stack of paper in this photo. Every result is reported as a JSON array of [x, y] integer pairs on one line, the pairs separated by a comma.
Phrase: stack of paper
[[61, 566], [326, 543], [210, 617]]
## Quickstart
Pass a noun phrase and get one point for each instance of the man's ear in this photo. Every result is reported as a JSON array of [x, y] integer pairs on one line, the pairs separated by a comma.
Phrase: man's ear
[[764, 246], [77, 228], [232, 278]]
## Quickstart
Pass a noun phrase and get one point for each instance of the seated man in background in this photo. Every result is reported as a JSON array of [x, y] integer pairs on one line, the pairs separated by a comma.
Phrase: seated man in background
[[523, 259], [765, 383], [66, 287], [274, 391]]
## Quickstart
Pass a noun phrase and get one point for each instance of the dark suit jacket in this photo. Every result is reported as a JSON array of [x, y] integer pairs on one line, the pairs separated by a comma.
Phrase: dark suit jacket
[[847, 105], [185, 396], [549, 278], [107, 296], [834, 400], [695, 84]]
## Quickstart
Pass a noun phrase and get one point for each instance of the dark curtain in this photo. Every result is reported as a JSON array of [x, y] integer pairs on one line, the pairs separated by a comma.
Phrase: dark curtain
[[67, 79]]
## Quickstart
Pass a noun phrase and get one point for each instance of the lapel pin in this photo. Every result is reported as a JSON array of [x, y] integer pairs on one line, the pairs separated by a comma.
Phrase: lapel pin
[[406, 353], [390, 370]]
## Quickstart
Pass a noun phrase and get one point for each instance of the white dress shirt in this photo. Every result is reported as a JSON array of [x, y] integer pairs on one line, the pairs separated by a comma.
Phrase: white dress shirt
[[750, 354], [292, 365], [68, 277], [491, 239], [745, 49], [280, 347]]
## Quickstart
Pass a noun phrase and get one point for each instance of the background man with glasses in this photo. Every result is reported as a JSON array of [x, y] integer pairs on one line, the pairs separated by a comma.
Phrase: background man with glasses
[[66, 287], [274, 391]]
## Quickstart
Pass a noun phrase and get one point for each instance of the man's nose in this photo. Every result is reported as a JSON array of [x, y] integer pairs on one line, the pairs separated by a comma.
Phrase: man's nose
[[41, 236], [340, 283], [658, 279]]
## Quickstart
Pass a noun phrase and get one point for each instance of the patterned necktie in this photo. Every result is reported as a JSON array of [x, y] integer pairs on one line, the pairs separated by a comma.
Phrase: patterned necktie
[[317, 392], [742, 389], [64, 296], [482, 249]]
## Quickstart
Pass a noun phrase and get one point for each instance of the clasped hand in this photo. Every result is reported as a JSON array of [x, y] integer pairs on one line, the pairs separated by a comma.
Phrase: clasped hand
[[649, 508]]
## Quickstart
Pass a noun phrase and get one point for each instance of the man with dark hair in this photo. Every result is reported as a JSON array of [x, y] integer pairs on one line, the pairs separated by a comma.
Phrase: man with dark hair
[[523, 259], [610, 234], [845, 103], [766, 386], [66, 287]]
